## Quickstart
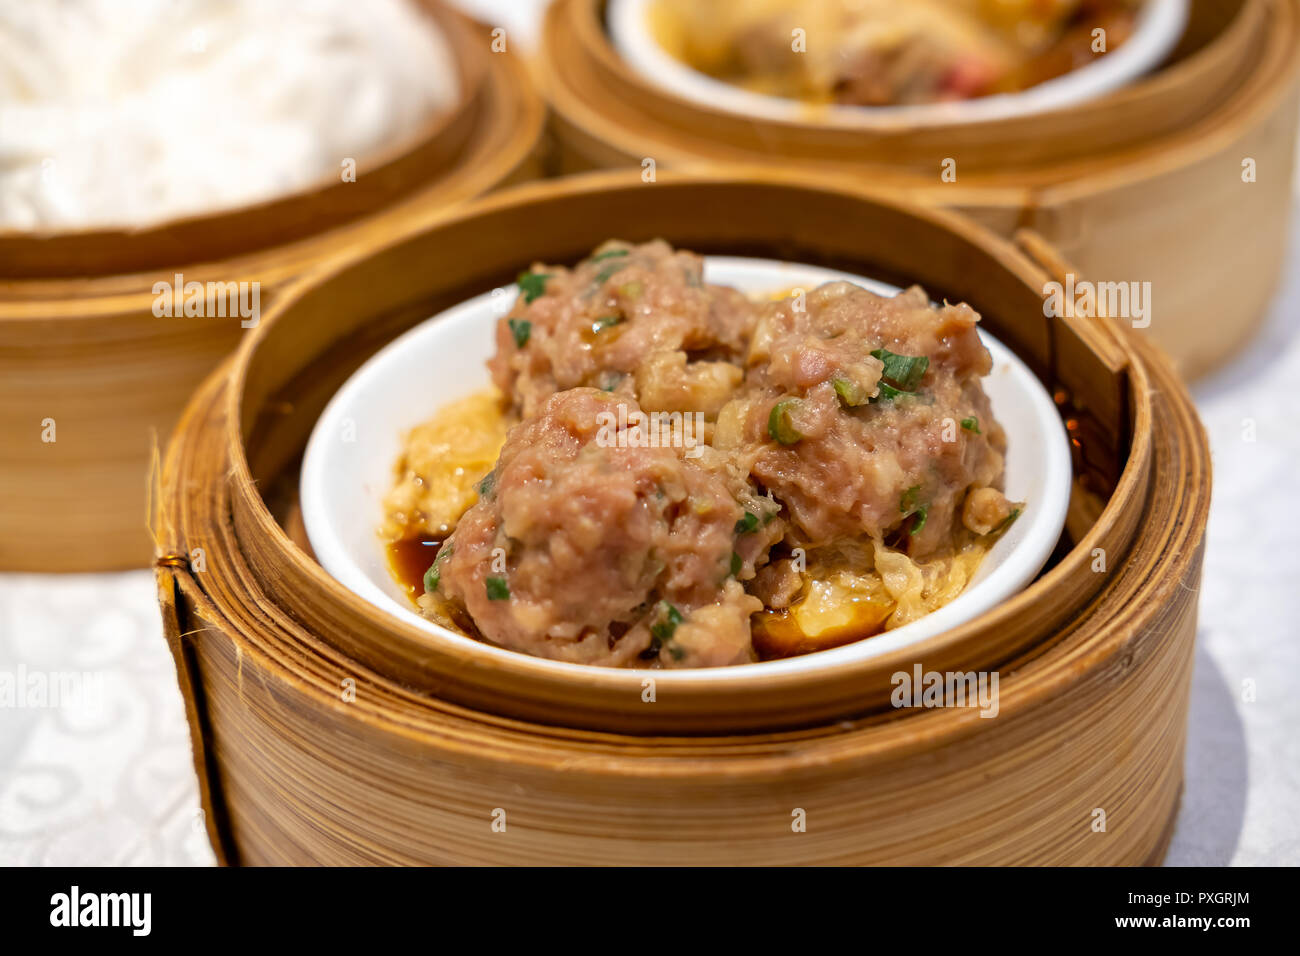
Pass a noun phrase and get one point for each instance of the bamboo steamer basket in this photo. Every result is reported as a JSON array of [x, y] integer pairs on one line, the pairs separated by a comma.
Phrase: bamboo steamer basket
[[326, 732], [1144, 184], [79, 343]]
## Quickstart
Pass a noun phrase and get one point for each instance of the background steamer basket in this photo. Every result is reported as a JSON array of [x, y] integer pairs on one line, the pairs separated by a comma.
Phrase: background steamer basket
[[326, 732], [80, 345], [1145, 184]]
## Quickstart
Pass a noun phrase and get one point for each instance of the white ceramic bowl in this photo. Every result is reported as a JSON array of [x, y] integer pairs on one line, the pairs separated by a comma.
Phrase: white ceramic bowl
[[1159, 25], [344, 481]]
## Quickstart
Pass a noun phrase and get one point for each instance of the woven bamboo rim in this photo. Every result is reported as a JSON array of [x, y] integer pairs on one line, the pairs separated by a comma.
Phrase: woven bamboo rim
[[1124, 186], [1095, 668], [87, 352]]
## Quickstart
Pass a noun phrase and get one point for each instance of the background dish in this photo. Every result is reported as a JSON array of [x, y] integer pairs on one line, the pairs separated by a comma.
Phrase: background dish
[[1159, 25], [81, 343], [344, 481]]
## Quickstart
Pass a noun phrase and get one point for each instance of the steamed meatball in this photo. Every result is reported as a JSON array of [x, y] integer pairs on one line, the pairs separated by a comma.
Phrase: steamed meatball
[[587, 546], [602, 323], [865, 415]]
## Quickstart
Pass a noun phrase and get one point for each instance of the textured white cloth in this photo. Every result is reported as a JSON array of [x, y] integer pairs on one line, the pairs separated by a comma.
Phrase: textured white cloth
[[108, 780]]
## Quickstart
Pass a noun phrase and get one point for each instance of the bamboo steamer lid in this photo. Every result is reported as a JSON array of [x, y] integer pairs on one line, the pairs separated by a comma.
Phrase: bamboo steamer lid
[[325, 731], [1144, 184], [81, 348]]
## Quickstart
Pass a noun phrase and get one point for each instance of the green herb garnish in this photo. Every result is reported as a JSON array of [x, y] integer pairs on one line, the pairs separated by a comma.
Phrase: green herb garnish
[[922, 513], [434, 574], [608, 254], [971, 425], [1015, 513], [736, 564], [521, 329], [606, 271], [606, 322], [904, 372], [887, 393], [779, 425], [747, 524], [669, 617], [498, 589], [532, 285], [908, 505], [487, 484]]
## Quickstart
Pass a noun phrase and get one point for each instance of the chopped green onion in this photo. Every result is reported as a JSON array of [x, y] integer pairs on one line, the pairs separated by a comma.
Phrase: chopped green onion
[[907, 505], [434, 574], [736, 564], [887, 393], [971, 425], [903, 372], [521, 329], [922, 513], [669, 617], [606, 322], [850, 392], [1007, 521], [487, 484], [532, 285], [608, 270], [779, 425], [498, 589], [747, 524], [608, 254]]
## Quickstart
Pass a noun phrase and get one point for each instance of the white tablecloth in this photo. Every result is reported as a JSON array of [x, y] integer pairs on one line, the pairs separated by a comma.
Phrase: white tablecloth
[[110, 779]]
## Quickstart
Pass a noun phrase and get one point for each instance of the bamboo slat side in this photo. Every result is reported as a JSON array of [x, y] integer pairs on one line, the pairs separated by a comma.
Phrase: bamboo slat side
[[326, 733], [1094, 720], [290, 367]]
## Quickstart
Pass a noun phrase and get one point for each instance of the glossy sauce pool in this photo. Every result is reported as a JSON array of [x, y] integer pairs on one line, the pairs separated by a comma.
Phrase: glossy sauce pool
[[409, 558]]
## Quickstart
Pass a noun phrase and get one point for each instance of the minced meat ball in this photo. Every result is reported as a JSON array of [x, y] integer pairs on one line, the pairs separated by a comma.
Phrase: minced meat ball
[[686, 457], [864, 415], [601, 323], [586, 547]]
